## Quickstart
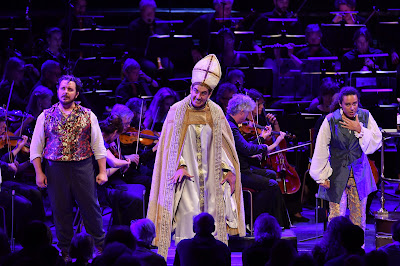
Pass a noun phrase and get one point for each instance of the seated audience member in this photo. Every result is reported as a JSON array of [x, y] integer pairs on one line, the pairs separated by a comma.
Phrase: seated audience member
[[362, 41], [20, 78], [159, 107], [377, 257], [114, 253], [49, 75], [322, 104], [226, 51], [203, 249], [202, 26], [236, 77], [283, 253], [347, 18], [352, 240], [54, 51], [313, 39], [266, 233], [304, 259], [81, 249], [140, 30], [37, 247], [121, 234], [224, 94], [5, 249], [136, 83], [330, 246], [135, 105], [125, 200], [393, 249], [144, 231]]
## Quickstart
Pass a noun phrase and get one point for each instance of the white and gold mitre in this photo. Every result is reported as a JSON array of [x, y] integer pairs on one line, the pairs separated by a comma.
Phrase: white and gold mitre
[[207, 72]]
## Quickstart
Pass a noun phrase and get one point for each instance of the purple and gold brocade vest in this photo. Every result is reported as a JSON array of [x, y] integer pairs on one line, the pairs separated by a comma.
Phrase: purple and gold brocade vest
[[67, 137]]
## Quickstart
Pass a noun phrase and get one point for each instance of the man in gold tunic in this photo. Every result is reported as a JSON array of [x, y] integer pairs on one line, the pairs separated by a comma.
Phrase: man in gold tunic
[[196, 168]]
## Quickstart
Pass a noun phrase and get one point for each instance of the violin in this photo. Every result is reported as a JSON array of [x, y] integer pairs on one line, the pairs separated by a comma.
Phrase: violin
[[287, 177], [9, 139], [249, 127], [146, 137]]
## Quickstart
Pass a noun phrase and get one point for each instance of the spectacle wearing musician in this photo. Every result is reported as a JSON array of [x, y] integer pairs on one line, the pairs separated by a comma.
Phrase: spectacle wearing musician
[[340, 164], [362, 40], [268, 197], [135, 105], [348, 18]]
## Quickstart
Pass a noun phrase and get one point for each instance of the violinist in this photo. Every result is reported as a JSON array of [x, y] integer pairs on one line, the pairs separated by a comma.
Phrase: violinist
[[135, 104], [258, 115], [134, 174], [28, 194], [268, 197], [159, 108], [126, 200], [19, 77]]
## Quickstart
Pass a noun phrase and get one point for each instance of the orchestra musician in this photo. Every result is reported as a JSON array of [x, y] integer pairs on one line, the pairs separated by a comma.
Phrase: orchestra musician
[[268, 196]]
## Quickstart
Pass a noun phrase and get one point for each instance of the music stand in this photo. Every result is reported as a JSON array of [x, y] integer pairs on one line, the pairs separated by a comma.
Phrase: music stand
[[339, 36], [253, 80], [177, 47], [93, 66], [243, 41], [14, 38], [375, 87], [314, 69]]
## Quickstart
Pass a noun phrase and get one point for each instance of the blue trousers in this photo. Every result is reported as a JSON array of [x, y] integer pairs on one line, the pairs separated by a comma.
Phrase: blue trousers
[[69, 181]]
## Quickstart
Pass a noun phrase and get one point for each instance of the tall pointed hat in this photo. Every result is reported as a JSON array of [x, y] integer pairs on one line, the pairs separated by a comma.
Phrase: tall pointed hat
[[207, 72]]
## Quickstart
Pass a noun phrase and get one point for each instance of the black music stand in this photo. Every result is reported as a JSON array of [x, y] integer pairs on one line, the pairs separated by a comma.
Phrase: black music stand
[[14, 39], [94, 66], [243, 41], [253, 78], [314, 69], [339, 36], [376, 88], [177, 48]]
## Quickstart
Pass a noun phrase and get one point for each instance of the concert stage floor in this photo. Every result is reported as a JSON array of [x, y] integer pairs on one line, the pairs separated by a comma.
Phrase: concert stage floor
[[303, 231]]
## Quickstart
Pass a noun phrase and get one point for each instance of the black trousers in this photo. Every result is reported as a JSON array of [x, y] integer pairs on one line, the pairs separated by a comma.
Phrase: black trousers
[[69, 181], [268, 197]]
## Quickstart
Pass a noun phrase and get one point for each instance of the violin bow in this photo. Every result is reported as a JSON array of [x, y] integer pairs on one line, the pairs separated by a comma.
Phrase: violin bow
[[10, 157]]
